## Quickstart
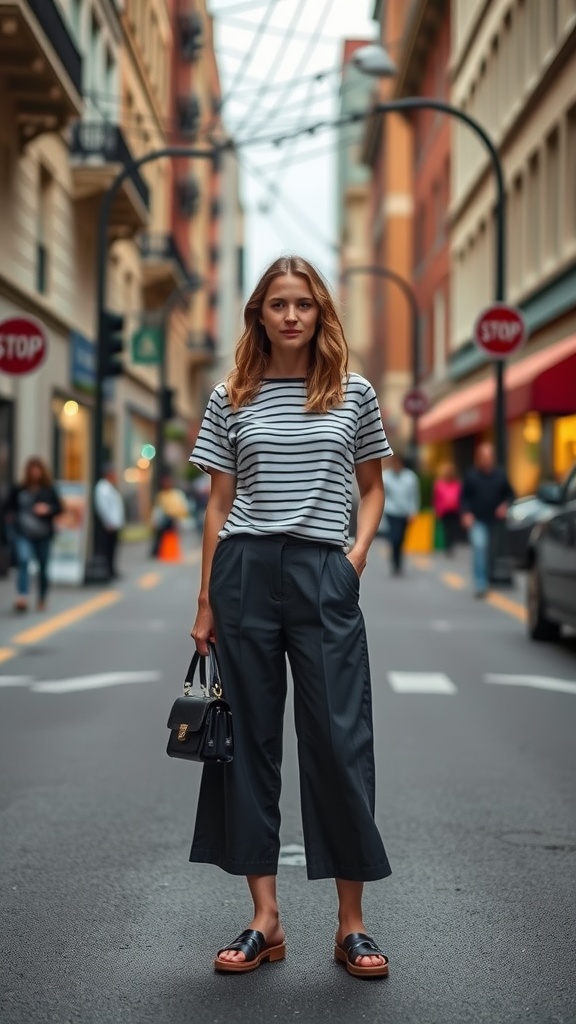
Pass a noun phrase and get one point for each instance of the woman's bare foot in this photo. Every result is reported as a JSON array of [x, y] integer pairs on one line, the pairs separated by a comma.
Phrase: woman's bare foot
[[271, 928], [348, 928]]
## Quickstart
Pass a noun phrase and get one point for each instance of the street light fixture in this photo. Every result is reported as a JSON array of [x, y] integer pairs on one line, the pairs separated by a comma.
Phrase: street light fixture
[[375, 61]]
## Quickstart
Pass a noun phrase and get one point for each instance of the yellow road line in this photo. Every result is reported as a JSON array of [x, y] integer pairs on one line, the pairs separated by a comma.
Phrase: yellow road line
[[67, 618], [6, 653], [149, 580], [505, 604], [452, 579], [421, 562]]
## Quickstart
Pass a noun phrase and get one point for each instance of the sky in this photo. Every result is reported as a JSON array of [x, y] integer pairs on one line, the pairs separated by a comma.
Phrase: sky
[[279, 62]]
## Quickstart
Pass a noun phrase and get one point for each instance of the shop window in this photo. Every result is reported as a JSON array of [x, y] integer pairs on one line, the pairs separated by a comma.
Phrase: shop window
[[70, 439], [564, 445]]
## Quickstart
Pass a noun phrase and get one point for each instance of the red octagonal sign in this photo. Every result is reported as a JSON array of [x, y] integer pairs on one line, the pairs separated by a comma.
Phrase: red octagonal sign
[[416, 403], [500, 330], [23, 345]]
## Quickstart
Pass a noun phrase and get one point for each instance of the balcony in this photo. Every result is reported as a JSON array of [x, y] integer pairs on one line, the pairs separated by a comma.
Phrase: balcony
[[188, 197], [163, 267], [202, 348], [188, 114], [40, 67], [190, 35], [98, 152]]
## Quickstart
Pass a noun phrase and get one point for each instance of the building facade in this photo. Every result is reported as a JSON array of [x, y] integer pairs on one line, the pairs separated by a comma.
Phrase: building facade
[[512, 67], [85, 87]]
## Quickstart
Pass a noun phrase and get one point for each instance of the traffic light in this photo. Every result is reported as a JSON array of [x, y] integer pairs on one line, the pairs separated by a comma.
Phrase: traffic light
[[112, 344], [168, 410]]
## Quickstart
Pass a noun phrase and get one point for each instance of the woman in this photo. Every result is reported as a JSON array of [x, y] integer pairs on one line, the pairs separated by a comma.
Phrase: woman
[[446, 499], [29, 512], [281, 439]]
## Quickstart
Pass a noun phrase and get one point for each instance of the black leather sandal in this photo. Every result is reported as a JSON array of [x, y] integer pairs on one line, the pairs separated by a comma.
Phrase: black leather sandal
[[253, 945], [355, 945]]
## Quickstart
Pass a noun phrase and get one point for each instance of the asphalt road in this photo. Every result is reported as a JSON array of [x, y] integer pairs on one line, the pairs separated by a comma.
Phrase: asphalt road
[[102, 918]]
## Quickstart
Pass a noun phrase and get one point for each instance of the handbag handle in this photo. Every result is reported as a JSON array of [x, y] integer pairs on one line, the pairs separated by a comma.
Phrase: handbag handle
[[216, 682]]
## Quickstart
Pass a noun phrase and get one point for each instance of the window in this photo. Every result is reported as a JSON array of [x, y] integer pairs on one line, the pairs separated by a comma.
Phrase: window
[[439, 334], [516, 233], [552, 218], [552, 22], [533, 51], [43, 236], [533, 215], [570, 204]]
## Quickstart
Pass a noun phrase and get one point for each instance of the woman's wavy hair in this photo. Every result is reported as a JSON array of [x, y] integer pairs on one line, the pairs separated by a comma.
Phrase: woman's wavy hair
[[328, 355], [34, 462]]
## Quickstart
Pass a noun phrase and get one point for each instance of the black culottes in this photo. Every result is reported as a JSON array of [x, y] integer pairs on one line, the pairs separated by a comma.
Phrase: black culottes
[[272, 597]]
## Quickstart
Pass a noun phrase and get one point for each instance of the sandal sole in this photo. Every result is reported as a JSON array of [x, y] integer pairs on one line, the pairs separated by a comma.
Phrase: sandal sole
[[273, 954], [360, 972]]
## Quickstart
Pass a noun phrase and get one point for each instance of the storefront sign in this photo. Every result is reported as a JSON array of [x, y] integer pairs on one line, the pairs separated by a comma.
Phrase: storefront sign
[[416, 402], [147, 345], [500, 330], [68, 550], [82, 362], [23, 345]]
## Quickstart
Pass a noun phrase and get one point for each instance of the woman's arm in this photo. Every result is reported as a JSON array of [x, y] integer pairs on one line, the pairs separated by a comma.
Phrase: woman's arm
[[371, 487], [222, 494]]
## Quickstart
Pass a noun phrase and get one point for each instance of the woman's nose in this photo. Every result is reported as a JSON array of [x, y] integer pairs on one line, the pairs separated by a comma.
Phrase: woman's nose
[[291, 315]]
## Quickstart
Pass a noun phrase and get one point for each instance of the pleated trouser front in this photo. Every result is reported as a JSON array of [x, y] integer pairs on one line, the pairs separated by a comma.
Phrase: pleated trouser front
[[272, 597]]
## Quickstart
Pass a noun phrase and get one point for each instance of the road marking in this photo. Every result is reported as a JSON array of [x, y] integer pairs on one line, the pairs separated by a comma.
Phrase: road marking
[[6, 653], [421, 682], [67, 618], [96, 682], [441, 625], [149, 580], [292, 856], [537, 682], [505, 604], [15, 680], [421, 562], [452, 579]]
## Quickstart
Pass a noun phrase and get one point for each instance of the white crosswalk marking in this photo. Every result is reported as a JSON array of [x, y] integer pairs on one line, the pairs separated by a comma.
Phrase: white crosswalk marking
[[536, 682], [421, 682], [94, 682], [292, 856], [15, 680]]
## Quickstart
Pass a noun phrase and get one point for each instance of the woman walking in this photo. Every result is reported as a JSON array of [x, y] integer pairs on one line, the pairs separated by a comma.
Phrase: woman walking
[[29, 514], [446, 499], [281, 440]]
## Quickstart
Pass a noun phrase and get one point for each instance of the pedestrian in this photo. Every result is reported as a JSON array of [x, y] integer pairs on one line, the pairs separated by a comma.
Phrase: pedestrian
[[402, 504], [109, 507], [446, 501], [281, 439], [170, 507], [486, 494], [30, 510]]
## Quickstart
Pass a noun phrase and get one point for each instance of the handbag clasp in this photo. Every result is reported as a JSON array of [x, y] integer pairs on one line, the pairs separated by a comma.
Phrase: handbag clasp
[[182, 733]]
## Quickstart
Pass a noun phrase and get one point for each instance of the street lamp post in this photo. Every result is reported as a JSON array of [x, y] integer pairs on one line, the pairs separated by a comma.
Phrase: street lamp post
[[96, 568], [410, 295]]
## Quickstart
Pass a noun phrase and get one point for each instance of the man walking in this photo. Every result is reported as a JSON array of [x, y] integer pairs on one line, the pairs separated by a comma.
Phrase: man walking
[[109, 507], [486, 494], [402, 490]]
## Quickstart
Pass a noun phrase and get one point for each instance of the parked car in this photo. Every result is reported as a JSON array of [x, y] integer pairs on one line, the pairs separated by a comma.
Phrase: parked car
[[521, 518], [551, 592]]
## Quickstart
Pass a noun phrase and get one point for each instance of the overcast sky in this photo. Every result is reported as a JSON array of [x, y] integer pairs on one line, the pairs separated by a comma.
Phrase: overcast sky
[[269, 53]]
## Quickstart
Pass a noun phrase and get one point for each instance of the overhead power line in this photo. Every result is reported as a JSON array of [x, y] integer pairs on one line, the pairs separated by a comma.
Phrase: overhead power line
[[250, 50]]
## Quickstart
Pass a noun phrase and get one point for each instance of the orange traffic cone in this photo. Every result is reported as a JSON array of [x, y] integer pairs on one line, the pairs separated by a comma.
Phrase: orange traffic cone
[[170, 550]]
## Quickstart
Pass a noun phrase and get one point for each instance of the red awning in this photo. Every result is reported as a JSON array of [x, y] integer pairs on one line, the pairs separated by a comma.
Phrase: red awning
[[543, 382]]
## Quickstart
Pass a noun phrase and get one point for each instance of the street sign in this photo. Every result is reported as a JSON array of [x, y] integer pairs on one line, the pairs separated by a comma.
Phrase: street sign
[[416, 402], [147, 345], [23, 345], [499, 330]]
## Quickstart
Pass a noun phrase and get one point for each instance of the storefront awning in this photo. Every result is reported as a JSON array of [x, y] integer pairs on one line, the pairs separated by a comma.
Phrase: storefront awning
[[543, 382]]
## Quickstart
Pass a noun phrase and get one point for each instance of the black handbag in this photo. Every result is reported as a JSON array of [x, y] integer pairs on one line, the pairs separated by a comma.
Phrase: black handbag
[[201, 723]]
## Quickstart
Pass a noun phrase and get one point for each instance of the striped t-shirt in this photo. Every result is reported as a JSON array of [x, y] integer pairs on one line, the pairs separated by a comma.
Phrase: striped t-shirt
[[293, 468]]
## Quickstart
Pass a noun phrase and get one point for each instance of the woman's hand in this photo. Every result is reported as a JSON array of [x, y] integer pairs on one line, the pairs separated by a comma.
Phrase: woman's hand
[[358, 560], [41, 509], [203, 629]]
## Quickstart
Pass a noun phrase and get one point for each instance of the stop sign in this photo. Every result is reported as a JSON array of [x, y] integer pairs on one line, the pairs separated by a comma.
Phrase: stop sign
[[500, 330], [23, 345], [416, 402]]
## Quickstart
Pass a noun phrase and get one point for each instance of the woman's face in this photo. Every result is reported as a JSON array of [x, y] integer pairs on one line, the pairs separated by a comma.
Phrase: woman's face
[[289, 313], [35, 474]]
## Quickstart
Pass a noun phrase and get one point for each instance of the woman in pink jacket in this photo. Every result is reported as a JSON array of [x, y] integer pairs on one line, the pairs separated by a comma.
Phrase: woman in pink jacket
[[446, 498]]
